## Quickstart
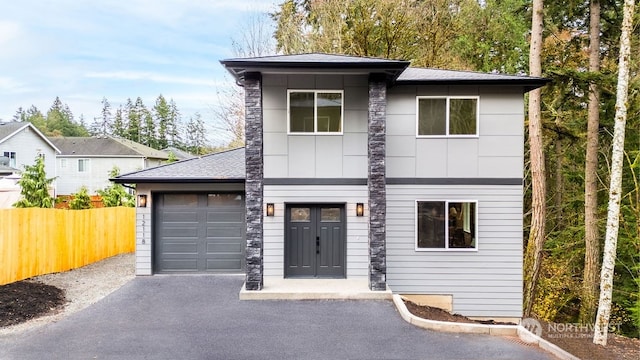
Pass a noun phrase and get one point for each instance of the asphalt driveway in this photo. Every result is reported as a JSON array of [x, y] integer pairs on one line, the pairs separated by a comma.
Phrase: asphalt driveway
[[200, 317]]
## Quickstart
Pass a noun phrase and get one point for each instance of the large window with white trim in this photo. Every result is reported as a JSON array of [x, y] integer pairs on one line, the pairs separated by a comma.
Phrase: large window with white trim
[[315, 111], [444, 225], [447, 116]]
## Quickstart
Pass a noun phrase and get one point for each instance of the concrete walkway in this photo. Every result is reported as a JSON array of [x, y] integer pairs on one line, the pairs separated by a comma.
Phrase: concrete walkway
[[200, 317]]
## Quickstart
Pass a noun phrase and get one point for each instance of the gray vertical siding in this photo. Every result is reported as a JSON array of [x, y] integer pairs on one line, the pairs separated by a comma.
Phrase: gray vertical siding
[[496, 153], [320, 156], [486, 282]]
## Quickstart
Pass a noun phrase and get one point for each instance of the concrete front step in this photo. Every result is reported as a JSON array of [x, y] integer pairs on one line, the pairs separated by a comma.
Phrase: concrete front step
[[276, 288]]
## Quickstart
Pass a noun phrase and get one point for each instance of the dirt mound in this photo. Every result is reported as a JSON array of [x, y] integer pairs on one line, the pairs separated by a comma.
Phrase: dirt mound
[[24, 300]]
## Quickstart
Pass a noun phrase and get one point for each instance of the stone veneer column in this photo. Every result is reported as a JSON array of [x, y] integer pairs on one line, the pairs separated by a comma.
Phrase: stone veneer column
[[254, 180], [377, 182]]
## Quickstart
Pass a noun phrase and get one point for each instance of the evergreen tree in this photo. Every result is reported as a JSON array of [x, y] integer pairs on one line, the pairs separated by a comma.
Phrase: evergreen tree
[[60, 121], [35, 186], [118, 127], [195, 137], [149, 131], [20, 115], [102, 125], [35, 116], [162, 117], [173, 126], [134, 121]]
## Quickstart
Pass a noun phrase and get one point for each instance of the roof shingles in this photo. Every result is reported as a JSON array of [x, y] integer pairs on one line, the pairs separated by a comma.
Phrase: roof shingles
[[227, 165], [104, 146]]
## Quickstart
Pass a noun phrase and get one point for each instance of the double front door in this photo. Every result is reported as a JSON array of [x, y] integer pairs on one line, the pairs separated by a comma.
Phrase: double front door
[[315, 241]]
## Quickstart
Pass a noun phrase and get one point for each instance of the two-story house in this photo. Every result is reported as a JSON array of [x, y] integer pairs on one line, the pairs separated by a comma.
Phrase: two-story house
[[88, 161], [20, 144], [355, 168]]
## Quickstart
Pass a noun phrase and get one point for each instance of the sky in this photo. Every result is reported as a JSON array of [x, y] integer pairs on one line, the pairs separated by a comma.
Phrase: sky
[[83, 51]]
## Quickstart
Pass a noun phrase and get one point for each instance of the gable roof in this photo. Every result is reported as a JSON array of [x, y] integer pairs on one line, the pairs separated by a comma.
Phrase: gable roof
[[10, 129], [238, 67], [105, 146], [397, 71], [225, 166]]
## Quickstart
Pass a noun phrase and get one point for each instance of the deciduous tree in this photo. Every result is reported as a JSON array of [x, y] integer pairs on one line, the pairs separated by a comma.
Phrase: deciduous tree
[[615, 188]]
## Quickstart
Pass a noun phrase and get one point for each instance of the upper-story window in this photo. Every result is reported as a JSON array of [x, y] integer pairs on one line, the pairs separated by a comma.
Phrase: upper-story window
[[83, 165], [12, 158], [315, 111], [447, 116]]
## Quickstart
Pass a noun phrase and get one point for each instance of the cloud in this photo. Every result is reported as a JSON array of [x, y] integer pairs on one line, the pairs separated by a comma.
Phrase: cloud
[[9, 30], [11, 86], [149, 76]]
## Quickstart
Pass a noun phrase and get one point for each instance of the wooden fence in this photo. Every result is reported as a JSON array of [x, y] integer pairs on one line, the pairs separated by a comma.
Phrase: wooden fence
[[37, 241]]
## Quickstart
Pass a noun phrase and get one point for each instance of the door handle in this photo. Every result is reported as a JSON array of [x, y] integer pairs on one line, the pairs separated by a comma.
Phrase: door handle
[[317, 244]]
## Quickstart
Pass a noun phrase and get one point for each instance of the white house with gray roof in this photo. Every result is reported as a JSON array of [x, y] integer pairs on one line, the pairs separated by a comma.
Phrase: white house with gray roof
[[20, 144], [87, 161], [355, 168]]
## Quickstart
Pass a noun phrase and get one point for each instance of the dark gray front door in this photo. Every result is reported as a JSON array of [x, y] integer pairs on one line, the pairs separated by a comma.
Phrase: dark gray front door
[[315, 241], [199, 232]]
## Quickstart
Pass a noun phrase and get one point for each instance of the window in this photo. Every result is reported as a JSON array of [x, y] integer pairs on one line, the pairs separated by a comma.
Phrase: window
[[447, 116], [83, 165], [11, 155], [442, 225], [315, 111], [63, 163]]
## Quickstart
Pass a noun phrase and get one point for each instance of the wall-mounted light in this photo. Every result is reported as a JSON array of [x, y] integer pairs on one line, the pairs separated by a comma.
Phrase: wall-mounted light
[[142, 201], [359, 209], [270, 209]]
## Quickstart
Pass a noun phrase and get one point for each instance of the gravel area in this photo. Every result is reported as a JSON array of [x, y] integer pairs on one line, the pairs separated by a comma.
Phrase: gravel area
[[83, 286]]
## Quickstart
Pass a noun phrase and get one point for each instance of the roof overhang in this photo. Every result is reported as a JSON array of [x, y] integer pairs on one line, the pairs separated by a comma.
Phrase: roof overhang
[[152, 180], [240, 67], [527, 84]]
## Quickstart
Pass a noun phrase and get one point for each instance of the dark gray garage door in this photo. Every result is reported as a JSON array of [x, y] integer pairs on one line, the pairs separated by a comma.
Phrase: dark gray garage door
[[201, 232]]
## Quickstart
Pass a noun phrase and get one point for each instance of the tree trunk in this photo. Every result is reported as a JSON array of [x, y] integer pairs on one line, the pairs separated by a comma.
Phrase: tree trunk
[[533, 255], [559, 191], [591, 240], [615, 188]]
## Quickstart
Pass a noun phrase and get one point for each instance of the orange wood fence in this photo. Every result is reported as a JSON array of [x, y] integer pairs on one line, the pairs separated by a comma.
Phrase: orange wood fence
[[37, 241]]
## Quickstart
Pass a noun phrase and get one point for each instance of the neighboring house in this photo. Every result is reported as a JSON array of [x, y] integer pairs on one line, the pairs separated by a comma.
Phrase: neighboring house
[[20, 144], [356, 168], [87, 161]]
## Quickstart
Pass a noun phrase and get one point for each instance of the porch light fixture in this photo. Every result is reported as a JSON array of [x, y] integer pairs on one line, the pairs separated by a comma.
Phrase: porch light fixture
[[359, 209], [270, 209], [142, 201]]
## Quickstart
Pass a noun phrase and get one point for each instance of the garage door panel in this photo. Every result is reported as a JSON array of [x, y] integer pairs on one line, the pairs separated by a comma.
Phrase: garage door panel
[[179, 265], [224, 265], [184, 247], [180, 232], [223, 247], [190, 217], [224, 231], [225, 217], [205, 236]]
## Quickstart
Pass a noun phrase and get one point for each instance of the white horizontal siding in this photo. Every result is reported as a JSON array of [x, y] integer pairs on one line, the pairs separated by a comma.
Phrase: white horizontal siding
[[357, 227], [486, 282]]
